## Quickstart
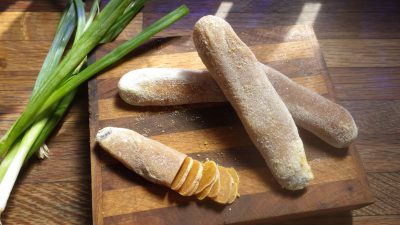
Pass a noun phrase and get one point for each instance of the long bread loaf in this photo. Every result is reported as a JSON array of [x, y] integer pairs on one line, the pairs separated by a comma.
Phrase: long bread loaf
[[171, 86], [150, 159], [163, 165], [262, 112]]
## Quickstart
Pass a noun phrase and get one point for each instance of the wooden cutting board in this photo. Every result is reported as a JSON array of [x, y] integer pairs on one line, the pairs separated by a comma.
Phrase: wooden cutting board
[[214, 131]]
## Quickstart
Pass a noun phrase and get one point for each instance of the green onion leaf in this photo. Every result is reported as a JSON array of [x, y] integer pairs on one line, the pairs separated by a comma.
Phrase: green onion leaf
[[123, 21], [85, 44], [114, 55], [64, 31]]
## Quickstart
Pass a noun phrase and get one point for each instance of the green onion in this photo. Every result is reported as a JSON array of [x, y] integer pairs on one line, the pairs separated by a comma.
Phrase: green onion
[[64, 31], [78, 52], [123, 21], [93, 11], [58, 79], [114, 56]]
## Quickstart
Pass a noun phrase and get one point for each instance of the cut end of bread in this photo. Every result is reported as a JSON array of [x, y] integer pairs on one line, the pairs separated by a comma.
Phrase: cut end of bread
[[150, 159], [103, 134], [182, 174], [193, 179], [210, 170], [227, 189]]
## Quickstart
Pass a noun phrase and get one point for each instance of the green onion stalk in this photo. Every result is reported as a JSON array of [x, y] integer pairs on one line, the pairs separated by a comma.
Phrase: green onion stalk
[[61, 74]]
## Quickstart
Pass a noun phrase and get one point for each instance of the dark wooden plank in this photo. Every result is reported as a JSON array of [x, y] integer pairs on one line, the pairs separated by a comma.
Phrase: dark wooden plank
[[344, 219], [237, 6], [361, 53], [366, 83], [386, 188], [270, 6], [375, 117], [379, 152], [49, 203], [326, 25], [232, 213]]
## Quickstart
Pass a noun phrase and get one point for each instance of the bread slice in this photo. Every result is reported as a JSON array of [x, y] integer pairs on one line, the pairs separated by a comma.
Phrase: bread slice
[[227, 186], [214, 184], [210, 169], [236, 179], [182, 174], [193, 179]]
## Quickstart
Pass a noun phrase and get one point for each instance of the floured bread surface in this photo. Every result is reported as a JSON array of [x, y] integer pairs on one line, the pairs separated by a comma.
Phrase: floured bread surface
[[236, 179], [143, 87], [212, 186], [182, 174], [210, 169], [216, 186], [150, 159], [203, 194], [321, 116], [227, 186], [163, 165], [192, 180], [260, 109]]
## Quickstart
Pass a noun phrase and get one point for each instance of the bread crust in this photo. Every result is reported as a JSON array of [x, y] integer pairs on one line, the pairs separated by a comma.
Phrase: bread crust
[[171, 86], [167, 86], [260, 109], [321, 116], [182, 174], [152, 160]]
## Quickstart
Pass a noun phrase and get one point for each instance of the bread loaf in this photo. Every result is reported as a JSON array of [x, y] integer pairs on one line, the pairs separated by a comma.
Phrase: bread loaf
[[167, 86], [163, 86], [150, 159], [163, 165], [262, 112]]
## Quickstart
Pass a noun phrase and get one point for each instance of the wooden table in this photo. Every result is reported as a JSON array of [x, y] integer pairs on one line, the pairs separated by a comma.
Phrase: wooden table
[[360, 41]]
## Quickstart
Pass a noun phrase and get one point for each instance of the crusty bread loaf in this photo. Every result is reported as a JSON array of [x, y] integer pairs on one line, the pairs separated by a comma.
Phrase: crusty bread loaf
[[262, 112], [170, 86], [321, 116], [150, 159], [162, 86], [163, 165]]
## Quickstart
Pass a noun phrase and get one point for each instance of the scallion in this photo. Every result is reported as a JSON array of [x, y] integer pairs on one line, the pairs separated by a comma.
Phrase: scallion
[[60, 75]]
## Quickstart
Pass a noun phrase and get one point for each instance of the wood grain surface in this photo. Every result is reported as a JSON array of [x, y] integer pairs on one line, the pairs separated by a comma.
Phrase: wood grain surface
[[213, 131], [57, 191]]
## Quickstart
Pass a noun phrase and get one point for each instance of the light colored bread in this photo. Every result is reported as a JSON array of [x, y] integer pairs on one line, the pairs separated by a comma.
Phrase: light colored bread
[[210, 169], [193, 179], [235, 177], [161, 164], [162, 86], [227, 186], [182, 174], [262, 112], [321, 116], [213, 186], [167, 86], [216, 186], [150, 159]]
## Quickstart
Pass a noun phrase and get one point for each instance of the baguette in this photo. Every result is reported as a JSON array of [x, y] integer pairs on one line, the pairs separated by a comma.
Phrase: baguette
[[161, 86], [163, 165], [167, 86], [262, 112], [148, 158]]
